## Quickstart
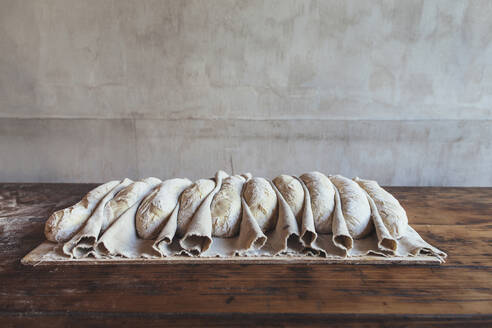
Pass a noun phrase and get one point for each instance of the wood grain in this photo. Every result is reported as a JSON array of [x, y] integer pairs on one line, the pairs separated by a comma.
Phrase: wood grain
[[116, 319], [457, 293]]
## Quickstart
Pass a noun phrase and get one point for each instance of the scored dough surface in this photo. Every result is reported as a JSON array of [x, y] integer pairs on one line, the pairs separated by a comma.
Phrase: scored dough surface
[[262, 201], [190, 200], [63, 224], [126, 198], [158, 206], [226, 207]]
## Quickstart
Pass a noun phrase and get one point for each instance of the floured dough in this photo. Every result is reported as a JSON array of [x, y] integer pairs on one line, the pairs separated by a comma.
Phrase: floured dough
[[293, 193], [228, 216], [63, 224], [226, 207], [322, 195], [157, 206], [189, 201], [355, 207], [392, 213], [262, 201], [126, 198]]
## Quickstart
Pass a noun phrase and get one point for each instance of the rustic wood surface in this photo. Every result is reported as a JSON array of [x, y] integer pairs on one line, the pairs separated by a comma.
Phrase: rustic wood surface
[[458, 293]]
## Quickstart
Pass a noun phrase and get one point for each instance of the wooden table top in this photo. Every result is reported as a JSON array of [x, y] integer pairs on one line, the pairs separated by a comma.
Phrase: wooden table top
[[456, 220]]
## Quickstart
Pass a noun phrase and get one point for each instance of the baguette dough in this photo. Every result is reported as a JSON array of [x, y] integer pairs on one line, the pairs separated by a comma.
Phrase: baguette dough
[[322, 194], [63, 224], [293, 193], [190, 200], [392, 213], [226, 207], [355, 207], [262, 202], [125, 221], [157, 206], [126, 198]]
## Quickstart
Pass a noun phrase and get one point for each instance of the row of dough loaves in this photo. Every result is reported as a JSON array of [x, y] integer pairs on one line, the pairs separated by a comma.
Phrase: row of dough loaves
[[158, 199]]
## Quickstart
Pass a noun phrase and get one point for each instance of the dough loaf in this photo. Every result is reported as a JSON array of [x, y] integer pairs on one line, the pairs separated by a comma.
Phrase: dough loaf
[[322, 195], [392, 213], [262, 201], [190, 200], [157, 206], [355, 207], [226, 207], [126, 198], [63, 224], [293, 193]]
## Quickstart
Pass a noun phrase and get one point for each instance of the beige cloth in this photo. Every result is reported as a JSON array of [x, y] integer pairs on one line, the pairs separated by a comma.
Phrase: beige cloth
[[85, 239], [288, 238]]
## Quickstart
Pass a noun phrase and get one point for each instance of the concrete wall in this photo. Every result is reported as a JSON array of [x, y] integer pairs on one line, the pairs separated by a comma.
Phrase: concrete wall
[[398, 91]]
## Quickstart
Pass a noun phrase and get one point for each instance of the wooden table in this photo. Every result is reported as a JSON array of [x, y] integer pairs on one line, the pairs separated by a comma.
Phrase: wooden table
[[456, 220]]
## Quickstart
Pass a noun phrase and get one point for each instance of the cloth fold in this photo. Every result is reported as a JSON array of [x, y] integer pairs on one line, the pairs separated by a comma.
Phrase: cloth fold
[[121, 238], [285, 237], [308, 231], [385, 241], [198, 236], [84, 240]]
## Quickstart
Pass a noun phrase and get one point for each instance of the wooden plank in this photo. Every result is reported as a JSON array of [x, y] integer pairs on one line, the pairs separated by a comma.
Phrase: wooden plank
[[137, 319], [458, 293], [453, 287], [445, 206], [44, 255], [250, 288]]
